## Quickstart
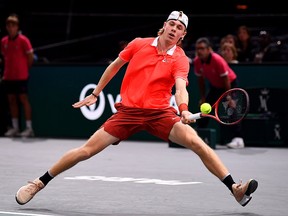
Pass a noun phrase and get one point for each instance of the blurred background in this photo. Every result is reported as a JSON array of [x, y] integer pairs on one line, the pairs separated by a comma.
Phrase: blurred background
[[90, 31], [74, 40]]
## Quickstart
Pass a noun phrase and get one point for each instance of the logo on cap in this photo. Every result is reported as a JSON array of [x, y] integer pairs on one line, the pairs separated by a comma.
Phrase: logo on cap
[[179, 15]]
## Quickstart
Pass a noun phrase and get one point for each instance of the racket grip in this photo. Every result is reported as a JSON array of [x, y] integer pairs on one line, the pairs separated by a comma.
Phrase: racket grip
[[195, 116]]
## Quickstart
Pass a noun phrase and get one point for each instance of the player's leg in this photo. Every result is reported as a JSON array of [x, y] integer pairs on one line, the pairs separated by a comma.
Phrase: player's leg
[[95, 144], [185, 135], [168, 126], [118, 127]]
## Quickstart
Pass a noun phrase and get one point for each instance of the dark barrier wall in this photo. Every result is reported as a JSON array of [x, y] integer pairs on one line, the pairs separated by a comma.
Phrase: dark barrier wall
[[54, 88]]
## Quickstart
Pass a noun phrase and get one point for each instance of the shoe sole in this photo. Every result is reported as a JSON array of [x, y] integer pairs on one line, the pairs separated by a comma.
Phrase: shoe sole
[[18, 201], [253, 184], [13, 135], [27, 135], [21, 203], [235, 147]]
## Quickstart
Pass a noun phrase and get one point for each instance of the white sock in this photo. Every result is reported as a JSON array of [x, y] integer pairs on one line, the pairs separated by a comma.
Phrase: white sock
[[29, 124], [15, 123]]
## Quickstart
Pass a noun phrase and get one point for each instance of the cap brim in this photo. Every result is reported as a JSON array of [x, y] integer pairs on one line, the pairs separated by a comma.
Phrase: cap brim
[[179, 21]]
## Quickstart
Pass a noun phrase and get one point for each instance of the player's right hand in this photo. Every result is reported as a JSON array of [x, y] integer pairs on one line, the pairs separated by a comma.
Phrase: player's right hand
[[185, 117], [87, 101]]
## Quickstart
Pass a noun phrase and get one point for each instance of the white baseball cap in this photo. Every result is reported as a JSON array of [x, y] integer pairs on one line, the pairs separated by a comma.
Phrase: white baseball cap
[[179, 15]]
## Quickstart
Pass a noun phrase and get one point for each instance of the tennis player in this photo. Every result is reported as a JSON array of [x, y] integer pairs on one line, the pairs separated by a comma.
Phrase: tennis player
[[155, 65]]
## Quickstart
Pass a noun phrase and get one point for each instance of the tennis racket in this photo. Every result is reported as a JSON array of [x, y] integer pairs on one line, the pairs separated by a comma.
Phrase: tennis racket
[[230, 108]]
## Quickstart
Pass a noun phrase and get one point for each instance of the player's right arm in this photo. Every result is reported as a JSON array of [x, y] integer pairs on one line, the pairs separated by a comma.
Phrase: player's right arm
[[108, 74], [182, 97]]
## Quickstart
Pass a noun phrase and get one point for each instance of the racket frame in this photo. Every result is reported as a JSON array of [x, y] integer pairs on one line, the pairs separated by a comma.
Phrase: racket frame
[[215, 106]]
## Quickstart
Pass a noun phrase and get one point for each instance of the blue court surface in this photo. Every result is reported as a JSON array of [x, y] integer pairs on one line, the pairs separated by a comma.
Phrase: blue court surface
[[140, 179]]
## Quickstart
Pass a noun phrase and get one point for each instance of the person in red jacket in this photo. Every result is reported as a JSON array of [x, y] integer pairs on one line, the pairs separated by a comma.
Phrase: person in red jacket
[[155, 66], [18, 57], [210, 66]]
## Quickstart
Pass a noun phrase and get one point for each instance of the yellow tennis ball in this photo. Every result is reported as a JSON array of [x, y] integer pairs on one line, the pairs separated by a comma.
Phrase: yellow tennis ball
[[205, 108]]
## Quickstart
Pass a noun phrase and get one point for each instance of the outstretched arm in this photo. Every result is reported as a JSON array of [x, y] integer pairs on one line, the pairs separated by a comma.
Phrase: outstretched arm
[[108, 74]]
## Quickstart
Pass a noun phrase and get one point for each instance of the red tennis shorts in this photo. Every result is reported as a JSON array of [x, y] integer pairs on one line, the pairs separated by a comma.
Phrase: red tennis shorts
[[128, 121]]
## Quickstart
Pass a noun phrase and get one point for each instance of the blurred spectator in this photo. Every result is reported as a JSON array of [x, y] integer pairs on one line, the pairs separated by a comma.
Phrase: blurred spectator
[[245, 44], [210, 66], [229, 53], [229, 38], [18, 57], [267, 50]]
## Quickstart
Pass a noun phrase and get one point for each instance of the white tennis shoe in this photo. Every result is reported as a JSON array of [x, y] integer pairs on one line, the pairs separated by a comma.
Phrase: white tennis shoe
[[242, 193], [12, 132], [28, 132], [27, 192], [236, 143]]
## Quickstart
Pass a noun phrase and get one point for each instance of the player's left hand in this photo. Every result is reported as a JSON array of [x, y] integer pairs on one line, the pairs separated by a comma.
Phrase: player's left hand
[[87, 101]]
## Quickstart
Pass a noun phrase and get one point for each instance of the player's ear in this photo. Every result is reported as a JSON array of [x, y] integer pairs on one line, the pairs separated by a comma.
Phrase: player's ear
[[182, 38]]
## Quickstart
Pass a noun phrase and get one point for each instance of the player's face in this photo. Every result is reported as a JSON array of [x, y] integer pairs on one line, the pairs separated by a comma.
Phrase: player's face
[[174, 30]]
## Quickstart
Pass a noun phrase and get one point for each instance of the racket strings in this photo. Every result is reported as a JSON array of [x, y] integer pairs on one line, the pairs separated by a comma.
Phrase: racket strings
[[233, 107]]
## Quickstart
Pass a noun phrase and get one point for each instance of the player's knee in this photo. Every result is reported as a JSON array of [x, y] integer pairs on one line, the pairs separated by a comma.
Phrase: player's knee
[[84, 153], [197, 145]]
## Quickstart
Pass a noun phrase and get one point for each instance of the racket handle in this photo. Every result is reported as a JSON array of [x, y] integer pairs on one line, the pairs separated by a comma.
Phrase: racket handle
[[195, 116]]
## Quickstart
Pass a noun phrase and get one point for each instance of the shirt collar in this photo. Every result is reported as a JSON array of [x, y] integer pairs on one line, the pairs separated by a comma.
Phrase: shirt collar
[[169, 52], [13, 38], [208, 59]]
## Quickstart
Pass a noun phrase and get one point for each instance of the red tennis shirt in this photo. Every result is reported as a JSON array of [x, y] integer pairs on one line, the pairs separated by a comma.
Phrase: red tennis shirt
[[15, 53], [150, 76]]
